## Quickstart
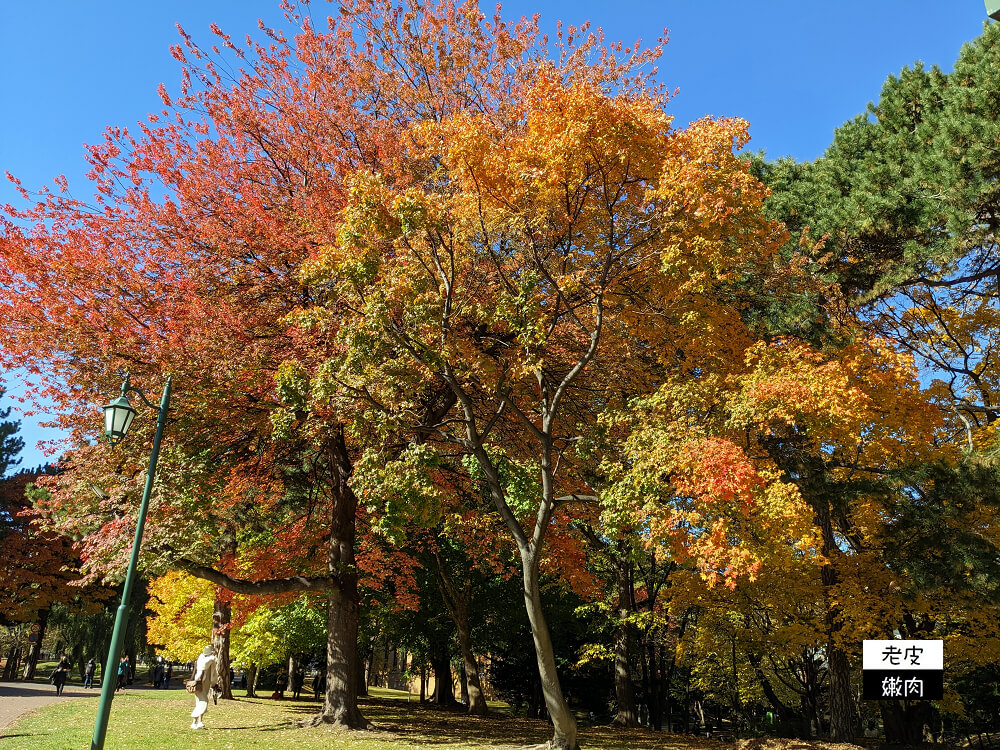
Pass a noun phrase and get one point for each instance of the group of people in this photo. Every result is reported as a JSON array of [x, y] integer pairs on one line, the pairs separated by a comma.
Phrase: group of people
[[161, 674], [124, 673], [203, 681], [60, 674]]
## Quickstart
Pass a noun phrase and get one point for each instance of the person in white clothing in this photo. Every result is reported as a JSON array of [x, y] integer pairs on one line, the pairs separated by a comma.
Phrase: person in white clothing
[[206, 672]]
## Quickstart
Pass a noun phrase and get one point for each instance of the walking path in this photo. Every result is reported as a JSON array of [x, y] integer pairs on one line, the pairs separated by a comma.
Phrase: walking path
[[18, 698]]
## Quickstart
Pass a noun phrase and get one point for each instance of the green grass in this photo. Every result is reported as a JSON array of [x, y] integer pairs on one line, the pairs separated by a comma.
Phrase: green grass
[[159, 719]]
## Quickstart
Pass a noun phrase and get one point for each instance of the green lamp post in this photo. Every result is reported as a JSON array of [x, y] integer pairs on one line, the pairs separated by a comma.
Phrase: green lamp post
[[993, 9], [118, 416]]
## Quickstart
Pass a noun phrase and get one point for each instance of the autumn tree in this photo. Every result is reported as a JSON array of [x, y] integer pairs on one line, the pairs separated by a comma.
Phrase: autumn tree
[[185, 263], [904, 202], [39, 568], [511, 258]]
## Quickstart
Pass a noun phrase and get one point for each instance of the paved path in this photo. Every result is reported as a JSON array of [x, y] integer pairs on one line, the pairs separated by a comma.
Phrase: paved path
[[18, 698]]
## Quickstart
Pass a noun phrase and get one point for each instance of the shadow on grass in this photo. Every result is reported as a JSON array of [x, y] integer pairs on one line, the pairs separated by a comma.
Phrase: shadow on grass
[[261, 727], [421, 724], [429, 726], [41, 690]]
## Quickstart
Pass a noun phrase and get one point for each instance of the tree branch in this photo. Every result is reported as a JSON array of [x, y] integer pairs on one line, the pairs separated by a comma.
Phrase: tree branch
[[268, 586]]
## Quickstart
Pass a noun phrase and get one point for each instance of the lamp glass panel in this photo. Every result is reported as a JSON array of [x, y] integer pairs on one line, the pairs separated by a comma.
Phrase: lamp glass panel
[[118, 416]]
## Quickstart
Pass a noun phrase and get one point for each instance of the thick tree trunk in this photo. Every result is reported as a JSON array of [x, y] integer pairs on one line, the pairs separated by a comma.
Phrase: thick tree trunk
[[444, 691], [841, 700], [340, 705], [31, 661], [563, 721], [904, 724], [626, 715], [221, 623], [842, 713]]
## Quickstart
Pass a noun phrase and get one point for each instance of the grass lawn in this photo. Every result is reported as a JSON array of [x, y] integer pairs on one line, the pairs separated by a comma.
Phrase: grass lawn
[[159, 719]]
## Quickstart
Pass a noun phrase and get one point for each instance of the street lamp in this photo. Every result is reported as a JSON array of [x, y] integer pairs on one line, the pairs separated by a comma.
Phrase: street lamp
[[993, 9], [118, 416]]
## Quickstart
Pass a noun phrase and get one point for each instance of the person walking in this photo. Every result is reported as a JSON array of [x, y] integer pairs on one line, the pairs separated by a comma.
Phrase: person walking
[[122, 673], [206, 673], [88, 674], [168, 674], [319, 682], [61, 674]]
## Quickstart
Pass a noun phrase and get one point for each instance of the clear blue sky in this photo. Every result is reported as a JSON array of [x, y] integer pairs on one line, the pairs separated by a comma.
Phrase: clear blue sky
[[795, 69]]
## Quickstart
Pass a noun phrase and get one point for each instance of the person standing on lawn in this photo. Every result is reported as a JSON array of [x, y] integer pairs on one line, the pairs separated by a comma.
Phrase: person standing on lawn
[[122, 673], [156, 677], [206, 673], [88, 674]]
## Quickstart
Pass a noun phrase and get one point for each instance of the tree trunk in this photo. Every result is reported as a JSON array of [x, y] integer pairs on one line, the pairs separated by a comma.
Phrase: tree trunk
[[841, 700], [250, 675], [457, 602], [423, 682], [360, 672], [904, 724], [31, 661], [463, 685], [221, 623], [670, 670], [654, 685], [646, 680], [563, 721], [474, 686], [842, 714], [10, 669], [535, 708], [784, 712], [626, 715], [340, 705], [736, 692], [444, 692]]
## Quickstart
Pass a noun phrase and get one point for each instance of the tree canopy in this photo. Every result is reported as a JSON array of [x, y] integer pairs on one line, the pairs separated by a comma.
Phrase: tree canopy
[[473, 347]]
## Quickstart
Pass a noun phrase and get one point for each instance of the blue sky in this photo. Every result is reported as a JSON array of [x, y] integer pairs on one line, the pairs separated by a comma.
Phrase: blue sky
[[794, 69]]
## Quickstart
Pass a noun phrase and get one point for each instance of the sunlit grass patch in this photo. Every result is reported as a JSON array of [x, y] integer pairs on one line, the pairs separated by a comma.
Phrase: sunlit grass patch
[[159, 719]]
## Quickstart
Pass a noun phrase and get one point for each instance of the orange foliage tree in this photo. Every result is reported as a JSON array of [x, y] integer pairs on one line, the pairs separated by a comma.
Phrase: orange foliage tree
[[39, 567], [541, 256]]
